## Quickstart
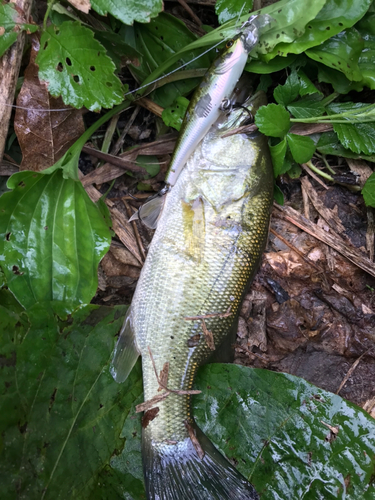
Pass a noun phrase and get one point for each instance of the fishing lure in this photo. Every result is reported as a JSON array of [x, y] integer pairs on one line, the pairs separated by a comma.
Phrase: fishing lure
[[210, 99]]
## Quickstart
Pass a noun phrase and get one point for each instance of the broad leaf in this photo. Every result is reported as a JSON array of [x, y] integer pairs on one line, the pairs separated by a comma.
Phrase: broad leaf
[[306, 107], [129, 11], [157, 42], [359, 137], [338, 80], [276, 427], [301, 147], [52, 238], [76, 66], [62, 412], [273, 120], [287, 93], [276, 64], [229, 9], [306, 85], [11, 24], [333, 18], [341, 52]]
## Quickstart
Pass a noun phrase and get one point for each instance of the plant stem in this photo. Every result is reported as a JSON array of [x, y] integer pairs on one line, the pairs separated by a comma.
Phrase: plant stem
[[319, 172], [49, 7]]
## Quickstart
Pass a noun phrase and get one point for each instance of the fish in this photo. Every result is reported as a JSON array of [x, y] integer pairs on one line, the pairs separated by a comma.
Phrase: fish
[[204, 254], [209, 100]]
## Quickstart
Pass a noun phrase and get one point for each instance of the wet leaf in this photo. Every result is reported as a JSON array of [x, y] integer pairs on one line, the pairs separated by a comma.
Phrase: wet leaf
[[229, 9], [368, 191], [341, 52], [329, 144], [52, 238], [338, 80], [283, 443], [359, 137], [306, 85], [173, 115], [157, 42], [76, 67], [334, 17], [273, 120], [301, 147], [67, 419], [43, 136], [11, 25], [276, 64], [129, 11]]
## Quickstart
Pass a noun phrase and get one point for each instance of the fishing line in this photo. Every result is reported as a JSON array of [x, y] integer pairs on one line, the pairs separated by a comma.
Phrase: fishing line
[[127, 93]]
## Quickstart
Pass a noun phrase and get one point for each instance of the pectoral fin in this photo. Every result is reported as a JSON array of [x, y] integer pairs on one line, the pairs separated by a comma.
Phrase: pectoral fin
[[150, 211], [126, 353]]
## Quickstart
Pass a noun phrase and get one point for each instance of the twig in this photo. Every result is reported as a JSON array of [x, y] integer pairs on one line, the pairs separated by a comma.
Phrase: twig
[[208, 337], [194, 440], [351, 370], [115, 160], [135, 229], [150, 105], [120, 141], [313, 175], [190, 12]]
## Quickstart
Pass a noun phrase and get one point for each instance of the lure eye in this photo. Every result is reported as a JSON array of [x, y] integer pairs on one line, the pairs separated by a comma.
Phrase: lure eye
[[229, 44]]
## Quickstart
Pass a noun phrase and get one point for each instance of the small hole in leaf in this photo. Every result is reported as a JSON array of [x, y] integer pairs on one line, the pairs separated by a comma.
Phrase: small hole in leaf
[[161, 38], [328, 27], [92, 68], [98, 54], [60, 67], [76, 78], [45, 228], [16, 271], [172, 110], [340, 24], [279, 11], [45, 46], [7, 236], [57, 30], [278, 35], [21, 184], [109, 84], [310, 27], [338, 62], [156, 28], [68, 61]]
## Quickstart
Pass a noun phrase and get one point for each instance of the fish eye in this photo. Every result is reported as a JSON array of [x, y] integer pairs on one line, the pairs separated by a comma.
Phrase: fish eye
[[229, 44]]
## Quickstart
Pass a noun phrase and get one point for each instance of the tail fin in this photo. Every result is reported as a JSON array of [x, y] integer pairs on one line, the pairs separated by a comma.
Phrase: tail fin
[[175, 472]]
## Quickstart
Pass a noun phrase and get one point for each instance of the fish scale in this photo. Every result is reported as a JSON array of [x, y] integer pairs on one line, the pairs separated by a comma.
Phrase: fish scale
[[203, 256]]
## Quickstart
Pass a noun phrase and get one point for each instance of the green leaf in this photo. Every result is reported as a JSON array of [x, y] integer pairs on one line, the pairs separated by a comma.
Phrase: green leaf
[[76, 66], [359, 137], [173, 115], [333, 18], [341, 52], [52, 238], [278, 153], [265, 81], [306, 85], [287, 93], [295, 171], [62, 412], [338, 80], [301, 147], [368, 191], [157, 41], [307, 107], [11, 25], [120, 52], [274, 426], [276, 64], [329, 144], [229, 9], [129, 11], [149, 163], [273, 120]]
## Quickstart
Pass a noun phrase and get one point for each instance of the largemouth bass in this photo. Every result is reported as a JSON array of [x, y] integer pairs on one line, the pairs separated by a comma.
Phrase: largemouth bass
[[203, 256]]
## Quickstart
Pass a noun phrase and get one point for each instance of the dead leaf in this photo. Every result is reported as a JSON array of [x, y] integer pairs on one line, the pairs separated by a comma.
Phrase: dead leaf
[[82, 5], [44, 137]]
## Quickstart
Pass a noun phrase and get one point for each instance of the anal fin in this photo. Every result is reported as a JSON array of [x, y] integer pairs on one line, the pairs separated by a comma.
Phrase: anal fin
[[150, 211], [126, 353]]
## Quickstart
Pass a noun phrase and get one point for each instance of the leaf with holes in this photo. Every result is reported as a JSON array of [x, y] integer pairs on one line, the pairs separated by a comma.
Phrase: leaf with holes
[[333, 18], [52, 238], [76, 66], [173, 115], [62, 412], [11, 25], [129, 11], [341, 52]]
